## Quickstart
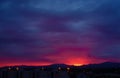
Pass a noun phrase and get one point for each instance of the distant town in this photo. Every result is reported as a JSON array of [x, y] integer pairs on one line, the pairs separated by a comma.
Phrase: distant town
[[103, 70]]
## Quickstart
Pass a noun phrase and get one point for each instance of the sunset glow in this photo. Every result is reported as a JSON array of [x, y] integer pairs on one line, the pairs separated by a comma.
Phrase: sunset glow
[[73, 32], [77, 64]]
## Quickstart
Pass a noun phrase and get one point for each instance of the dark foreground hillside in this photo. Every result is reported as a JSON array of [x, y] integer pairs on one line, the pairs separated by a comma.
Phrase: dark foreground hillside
[[62, 71]]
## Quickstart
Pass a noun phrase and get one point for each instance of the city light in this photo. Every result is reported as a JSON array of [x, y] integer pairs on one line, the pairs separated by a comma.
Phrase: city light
[[68, 69], [9, 68], [17, 68], [59, 68]]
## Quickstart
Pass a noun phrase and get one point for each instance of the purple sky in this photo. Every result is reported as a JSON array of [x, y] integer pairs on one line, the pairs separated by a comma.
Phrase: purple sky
[[37, 32]]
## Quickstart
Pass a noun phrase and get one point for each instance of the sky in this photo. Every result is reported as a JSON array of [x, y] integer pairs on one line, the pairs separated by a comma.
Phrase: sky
[[43, 32]]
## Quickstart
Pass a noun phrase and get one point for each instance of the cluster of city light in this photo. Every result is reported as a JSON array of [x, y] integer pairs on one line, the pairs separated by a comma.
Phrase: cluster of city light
[[17, 68], [59, 68]]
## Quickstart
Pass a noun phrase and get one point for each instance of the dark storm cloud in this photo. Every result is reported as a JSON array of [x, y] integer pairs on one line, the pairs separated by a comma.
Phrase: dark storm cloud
[[107, 23], [108, 16], [112, 52]]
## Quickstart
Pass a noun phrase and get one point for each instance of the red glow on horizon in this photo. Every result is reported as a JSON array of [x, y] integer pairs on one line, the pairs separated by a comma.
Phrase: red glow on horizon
[[74, 62], [67, 61]]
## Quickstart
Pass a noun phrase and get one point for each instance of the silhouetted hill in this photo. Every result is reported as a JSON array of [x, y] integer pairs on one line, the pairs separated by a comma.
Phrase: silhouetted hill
[[103, 65], [59, 65]]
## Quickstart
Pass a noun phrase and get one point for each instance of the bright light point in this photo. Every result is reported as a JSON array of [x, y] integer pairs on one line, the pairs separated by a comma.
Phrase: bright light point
[[17, 68], [68, 68], [59, 68], [9, 68]]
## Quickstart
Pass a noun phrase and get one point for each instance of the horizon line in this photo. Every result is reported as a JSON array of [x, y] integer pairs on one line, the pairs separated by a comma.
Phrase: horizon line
[[54, 64]]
